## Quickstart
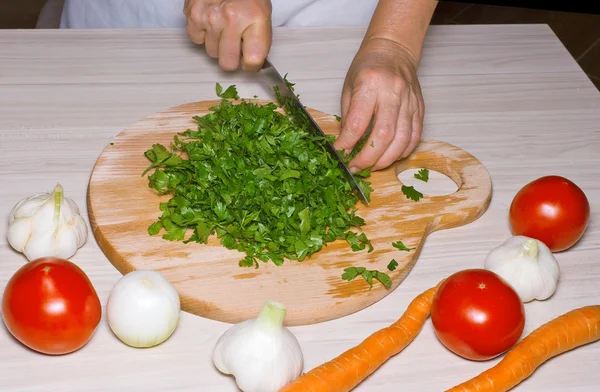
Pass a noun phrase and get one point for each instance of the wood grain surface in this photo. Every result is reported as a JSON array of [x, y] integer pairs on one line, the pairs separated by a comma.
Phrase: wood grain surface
[[510, 95], [121, 206]]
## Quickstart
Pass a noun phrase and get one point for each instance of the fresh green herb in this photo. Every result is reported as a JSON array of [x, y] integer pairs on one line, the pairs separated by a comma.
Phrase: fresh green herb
[[159, 156], [422, 175], [411, 193], [399, 245], [338, 118], [294, 113], [259, 181], [155, 228], [358, 242], [351, 273], [372, 143], [392, 265], [230, 93], [112, 144], [299, 118]]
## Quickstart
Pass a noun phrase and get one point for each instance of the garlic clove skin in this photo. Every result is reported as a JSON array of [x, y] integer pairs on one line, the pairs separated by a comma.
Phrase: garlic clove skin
[[42, 244], [528, 265], [143, 309], [47, 224], [18, 235], [28, 206], [260, 353]]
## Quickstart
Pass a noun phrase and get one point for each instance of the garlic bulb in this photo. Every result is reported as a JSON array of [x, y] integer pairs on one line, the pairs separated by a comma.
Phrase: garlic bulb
[[528, 265], [260, 353], [46, 225], [143, 309]]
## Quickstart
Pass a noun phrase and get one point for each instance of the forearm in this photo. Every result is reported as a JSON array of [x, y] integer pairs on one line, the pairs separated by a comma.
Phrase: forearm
[[404, 22]]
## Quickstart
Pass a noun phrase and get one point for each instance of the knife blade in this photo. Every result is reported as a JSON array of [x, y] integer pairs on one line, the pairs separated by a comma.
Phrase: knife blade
[[286, 91]]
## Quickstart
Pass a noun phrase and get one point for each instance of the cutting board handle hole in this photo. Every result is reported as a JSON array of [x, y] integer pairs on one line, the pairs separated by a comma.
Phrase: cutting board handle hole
[[438, 184]]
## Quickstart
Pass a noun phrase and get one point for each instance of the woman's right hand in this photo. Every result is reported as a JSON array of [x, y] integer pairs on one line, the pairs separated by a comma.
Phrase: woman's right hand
[[228, 28]]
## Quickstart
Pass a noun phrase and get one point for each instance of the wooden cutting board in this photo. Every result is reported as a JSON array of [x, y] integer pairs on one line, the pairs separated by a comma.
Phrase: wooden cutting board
[[211, 284]]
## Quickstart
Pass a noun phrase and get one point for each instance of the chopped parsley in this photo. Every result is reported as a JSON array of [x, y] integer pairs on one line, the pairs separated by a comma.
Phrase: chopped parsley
[[400, 246], [230, 93], [392, 265], [422, 175], [351, 273], [411, 193], [259, 181]]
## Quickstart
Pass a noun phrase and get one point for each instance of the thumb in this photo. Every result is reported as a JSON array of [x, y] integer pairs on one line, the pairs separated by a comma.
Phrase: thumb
[[257, 39]]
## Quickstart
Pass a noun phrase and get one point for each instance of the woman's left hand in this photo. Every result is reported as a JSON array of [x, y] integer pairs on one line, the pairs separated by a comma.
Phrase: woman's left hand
[[381, 84]]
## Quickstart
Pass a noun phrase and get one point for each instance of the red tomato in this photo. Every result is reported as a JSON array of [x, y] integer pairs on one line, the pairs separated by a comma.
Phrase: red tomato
[[551, 209], [50, 306], [477, 315]]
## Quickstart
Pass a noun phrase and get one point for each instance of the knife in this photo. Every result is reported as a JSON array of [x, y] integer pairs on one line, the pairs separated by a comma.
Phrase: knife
[[286, 91]]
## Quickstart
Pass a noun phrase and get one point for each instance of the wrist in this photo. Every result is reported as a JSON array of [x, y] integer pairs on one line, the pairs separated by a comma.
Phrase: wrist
[[382, 44], [403, 23]]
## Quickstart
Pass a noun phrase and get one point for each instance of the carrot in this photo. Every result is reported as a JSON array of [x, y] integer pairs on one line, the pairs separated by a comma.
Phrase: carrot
[[571, 330], [353, 366]]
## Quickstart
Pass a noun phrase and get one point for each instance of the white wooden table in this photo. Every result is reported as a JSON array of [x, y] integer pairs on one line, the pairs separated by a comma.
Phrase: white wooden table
[[510, 95]]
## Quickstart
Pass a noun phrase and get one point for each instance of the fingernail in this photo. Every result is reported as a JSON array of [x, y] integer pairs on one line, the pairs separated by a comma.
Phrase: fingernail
[[354, 170]]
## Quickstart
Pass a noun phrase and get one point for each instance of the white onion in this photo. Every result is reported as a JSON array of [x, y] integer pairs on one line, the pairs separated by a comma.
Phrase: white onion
[[143, 309]]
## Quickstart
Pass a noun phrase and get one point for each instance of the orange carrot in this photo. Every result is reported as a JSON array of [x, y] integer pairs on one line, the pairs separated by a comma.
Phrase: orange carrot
[[571, 330], [353, 366]]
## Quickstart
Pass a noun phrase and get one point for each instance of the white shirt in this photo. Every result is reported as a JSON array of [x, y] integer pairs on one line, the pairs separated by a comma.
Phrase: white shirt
[[169, 13]]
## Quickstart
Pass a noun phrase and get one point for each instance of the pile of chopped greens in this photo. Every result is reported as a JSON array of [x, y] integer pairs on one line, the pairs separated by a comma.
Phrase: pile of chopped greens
[[259, 180]]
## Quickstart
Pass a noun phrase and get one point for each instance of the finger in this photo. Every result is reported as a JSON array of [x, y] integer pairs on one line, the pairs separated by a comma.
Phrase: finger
[[401, 139], [187, 7], [384, 131], [230, 48], [194, 22], [345, 101], [417, 130], [357, 119], [196, 34], [256, 43], [211, 42], [418, 113], [212, 22], [345, 105]]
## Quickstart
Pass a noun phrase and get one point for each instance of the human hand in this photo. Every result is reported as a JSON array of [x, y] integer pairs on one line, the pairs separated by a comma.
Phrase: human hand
[[381, 84], [229, 28]]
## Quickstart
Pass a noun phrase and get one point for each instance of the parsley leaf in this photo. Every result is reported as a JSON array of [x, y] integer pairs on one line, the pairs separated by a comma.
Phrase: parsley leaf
[[258, 181], [399, 245], [338, 118], [159, 156], [230, 93], [411, 193], [351, 273], [392, 265], [358, 242], [422, 175]]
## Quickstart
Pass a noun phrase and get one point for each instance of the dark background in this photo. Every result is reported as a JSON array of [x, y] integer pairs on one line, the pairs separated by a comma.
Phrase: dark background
[[576, 23]]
